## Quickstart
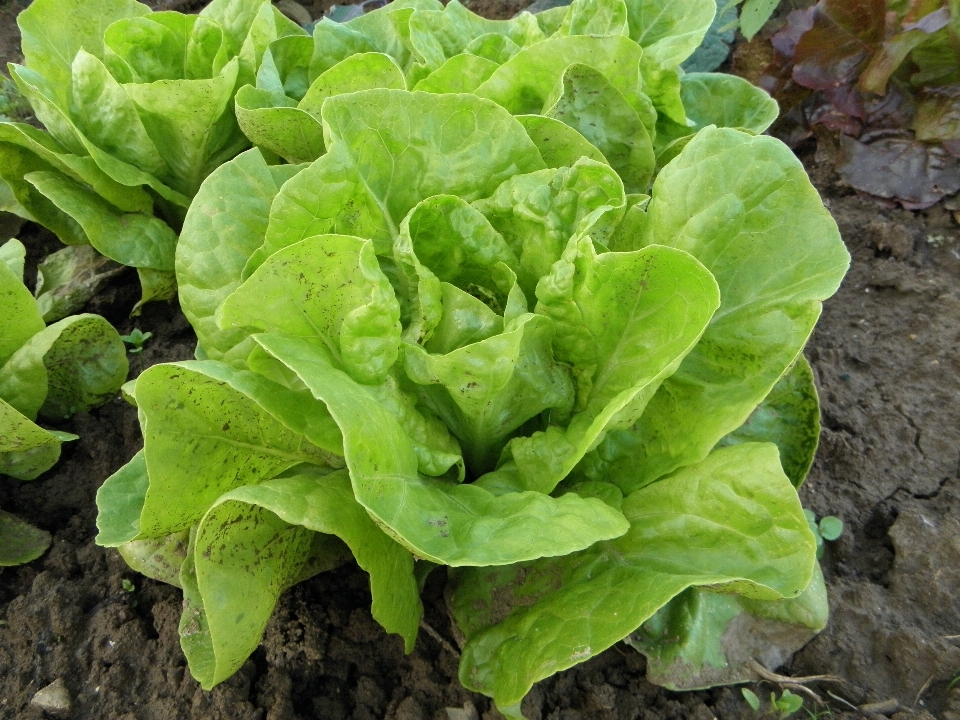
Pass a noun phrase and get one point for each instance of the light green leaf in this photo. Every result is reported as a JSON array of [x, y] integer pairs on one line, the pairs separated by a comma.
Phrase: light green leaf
[[158, 558], [789, 417], [194, 630], [744, 207], [589, 104], [444, 239], [440, 35], [54, 31], [387, 151], [254, 542], [669, 31], [245, 556], [633, 227], [225, 224], [539, 212], [486, 390], [70, 366], [464, 320], [662, 86], [733, 520], [552, 18], [492, 46], [595, 17], [48, 108], [108, 118], [13, 254], [155, 285], [524, 83], [82, 169], [334, 42], [460, 74], [722, 100], [437, 451], [133, 239], [345, 302], [204, 437], [364, 71], [445, 523], [701, 639], [35, 88], [284, 69], [149, 48], [18, 308], [619, 360], [26, 450], [193, 123], [69, 278], [120, 502], [15, 163], [326, 505], [295, 133], [559, 144], [385, 31], [754, 15], [20, 542]]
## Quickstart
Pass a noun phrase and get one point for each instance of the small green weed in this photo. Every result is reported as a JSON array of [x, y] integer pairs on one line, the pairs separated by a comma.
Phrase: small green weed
[[829, 528], [136, 339], [783, 707]]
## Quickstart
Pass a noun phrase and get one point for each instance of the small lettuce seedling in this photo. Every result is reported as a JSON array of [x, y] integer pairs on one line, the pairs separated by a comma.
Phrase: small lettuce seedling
[[480, 331], [784, 706], [829, 528]]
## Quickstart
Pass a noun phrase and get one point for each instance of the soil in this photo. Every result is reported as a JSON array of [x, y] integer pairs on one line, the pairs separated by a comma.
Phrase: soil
[[886, 355]]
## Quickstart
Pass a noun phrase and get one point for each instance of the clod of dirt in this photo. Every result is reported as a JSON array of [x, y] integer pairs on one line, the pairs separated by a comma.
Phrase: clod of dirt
[[54, 699], [467, 712], [886, 707]]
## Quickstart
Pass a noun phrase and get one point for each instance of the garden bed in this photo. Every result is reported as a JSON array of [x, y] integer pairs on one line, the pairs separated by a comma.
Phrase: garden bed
[[886, 355]]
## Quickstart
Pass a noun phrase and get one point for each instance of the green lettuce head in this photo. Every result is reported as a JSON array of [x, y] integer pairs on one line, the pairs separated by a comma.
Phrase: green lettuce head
[[138, 106], [433, 345], [538, 320], [50, 371]]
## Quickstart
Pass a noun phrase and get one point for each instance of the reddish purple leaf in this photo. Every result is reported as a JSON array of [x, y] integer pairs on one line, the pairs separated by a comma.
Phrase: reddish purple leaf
[[913, 173], [778, 75], [844, 36]]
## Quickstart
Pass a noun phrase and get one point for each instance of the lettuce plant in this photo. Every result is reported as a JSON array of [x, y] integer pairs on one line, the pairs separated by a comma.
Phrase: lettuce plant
[[608, 69], [138, 111], [462, 337], [52, 371], [884, 74]]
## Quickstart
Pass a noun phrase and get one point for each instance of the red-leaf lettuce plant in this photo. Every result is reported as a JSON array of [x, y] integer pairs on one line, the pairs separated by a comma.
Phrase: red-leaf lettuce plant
[[541, 329], [886, 75]]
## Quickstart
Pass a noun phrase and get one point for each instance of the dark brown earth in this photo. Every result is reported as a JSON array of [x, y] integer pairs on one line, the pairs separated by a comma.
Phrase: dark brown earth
[[887, 359]]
